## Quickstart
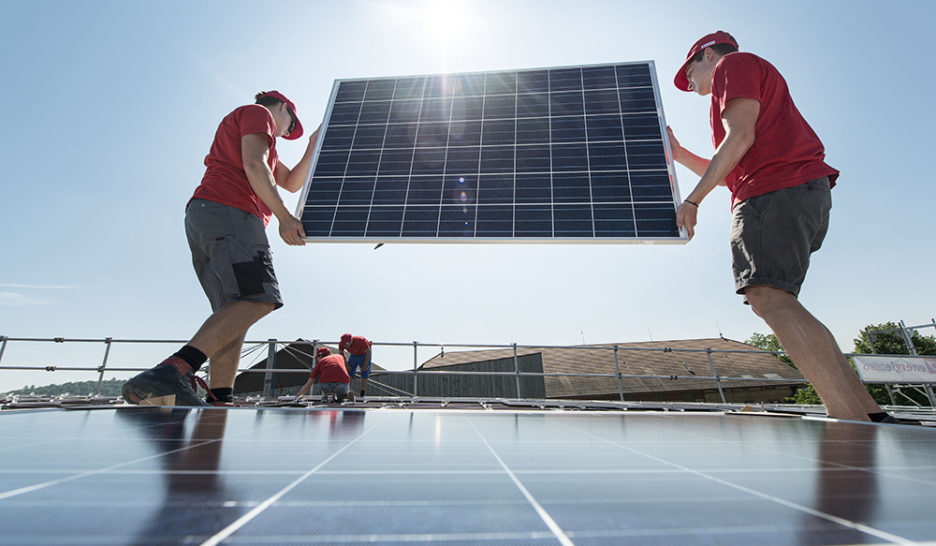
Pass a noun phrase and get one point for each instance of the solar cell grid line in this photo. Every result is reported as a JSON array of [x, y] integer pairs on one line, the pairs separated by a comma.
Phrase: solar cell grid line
[[558, 146]]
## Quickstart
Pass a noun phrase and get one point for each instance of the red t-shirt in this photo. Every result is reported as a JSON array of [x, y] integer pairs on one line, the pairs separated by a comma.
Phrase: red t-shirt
[[331, 369], [225, 180], [358, 346], [786, 152]]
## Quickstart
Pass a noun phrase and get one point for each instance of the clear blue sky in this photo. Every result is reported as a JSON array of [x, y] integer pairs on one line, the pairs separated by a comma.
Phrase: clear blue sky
[[111, 107]]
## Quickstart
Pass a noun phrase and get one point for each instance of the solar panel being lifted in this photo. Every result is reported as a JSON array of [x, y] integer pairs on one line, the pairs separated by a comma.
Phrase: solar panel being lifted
[[572, 154]]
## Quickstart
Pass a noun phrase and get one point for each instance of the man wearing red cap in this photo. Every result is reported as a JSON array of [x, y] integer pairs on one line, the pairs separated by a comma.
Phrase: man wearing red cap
[[774, 165], [331, 375], [225, 223], [359, 349]]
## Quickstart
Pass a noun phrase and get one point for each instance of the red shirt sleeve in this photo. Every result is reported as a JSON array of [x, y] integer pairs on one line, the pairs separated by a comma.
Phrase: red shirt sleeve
[[737, 76], [316, 371], [256, 119]]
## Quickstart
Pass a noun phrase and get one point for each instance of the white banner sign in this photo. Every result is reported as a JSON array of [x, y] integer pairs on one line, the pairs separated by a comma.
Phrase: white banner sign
[[896, 369]]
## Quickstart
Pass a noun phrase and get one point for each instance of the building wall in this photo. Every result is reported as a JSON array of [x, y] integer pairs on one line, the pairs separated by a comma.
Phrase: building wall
[[470, 386]]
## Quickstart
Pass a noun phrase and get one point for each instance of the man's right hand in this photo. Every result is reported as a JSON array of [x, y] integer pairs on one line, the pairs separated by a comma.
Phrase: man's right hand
[[291, 231], [686, 216]]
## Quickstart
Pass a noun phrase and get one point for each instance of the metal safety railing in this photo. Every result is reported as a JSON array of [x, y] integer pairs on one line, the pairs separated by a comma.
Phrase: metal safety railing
[[272, 346]]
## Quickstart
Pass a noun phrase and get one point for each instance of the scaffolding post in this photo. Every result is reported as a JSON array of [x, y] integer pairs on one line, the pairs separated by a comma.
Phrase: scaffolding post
[[415, 368], [100, 380], [516, 369], [3, 346], [708, 353], [270, 365], [617, 369]]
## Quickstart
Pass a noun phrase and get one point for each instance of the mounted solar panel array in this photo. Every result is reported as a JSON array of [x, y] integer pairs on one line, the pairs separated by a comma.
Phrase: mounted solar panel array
[[564, 155]]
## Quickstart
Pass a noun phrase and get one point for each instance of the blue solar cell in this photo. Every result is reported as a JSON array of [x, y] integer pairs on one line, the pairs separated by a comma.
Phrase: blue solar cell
[[379, 90], [572, 221], [369, 136], [572, 152], [571, 188], [409, 88], [645, 155], [533, 159], [498, 83], [467, 108], [533, 81], [495, 189], [610, 186], [565, 79], [494, 221], [567, 103], [428, 161], [464, 133], [534, 105], [500, 107], [569, 157], [497, 159], [396, 161], [607, 156], [500, 131], [424, 190], [533, 221], [402, 111], [436, 109], [569, 129], [604, 128], [463, 160], [350, 91], [400, 135], [374, 112], [533, 131], [385, 221], [599, 77], [641, 126], [637, 75], [363, 163], [604, 101], [390, 190], [345, 113], [457, 220], [533, 188]]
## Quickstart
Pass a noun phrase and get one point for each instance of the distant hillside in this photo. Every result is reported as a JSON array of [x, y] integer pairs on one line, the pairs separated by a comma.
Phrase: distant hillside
[[109, 387]]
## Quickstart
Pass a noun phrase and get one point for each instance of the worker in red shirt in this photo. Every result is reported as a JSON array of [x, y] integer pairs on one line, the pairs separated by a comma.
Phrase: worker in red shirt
[[359, 349], [331, 375], [774, 165], [225, 221]]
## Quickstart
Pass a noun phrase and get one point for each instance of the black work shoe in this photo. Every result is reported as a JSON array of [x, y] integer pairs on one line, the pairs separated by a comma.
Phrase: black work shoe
[[161, 386]]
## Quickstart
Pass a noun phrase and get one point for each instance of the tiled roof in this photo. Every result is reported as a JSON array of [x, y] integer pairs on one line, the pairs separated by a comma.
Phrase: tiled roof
[[635, 359]]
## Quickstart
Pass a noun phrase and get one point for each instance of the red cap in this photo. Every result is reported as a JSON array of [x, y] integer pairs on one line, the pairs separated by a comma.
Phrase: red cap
[[322, 351], [297, 131], [346, 338], [715, 38]]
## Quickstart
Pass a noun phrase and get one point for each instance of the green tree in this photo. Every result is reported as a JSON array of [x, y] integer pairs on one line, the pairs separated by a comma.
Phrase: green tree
[[109, 387], [768, 342], [805, 394], [888, 341]]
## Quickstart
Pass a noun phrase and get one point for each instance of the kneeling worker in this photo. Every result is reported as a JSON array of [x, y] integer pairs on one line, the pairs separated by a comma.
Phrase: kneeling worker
[[331, 374]]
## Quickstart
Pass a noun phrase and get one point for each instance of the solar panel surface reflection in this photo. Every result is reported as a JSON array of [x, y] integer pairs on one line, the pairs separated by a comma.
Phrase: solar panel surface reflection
[[532, 155]]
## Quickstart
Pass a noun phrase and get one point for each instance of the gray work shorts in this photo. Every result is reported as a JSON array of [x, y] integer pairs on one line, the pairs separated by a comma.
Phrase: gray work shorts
[[772, 235], [231, 254], [340, 390]]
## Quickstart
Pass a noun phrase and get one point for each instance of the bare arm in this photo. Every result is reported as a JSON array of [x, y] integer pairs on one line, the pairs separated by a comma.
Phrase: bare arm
[[254, 151], [686, 158], [305, 388], [292, 180], [739, 118]]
